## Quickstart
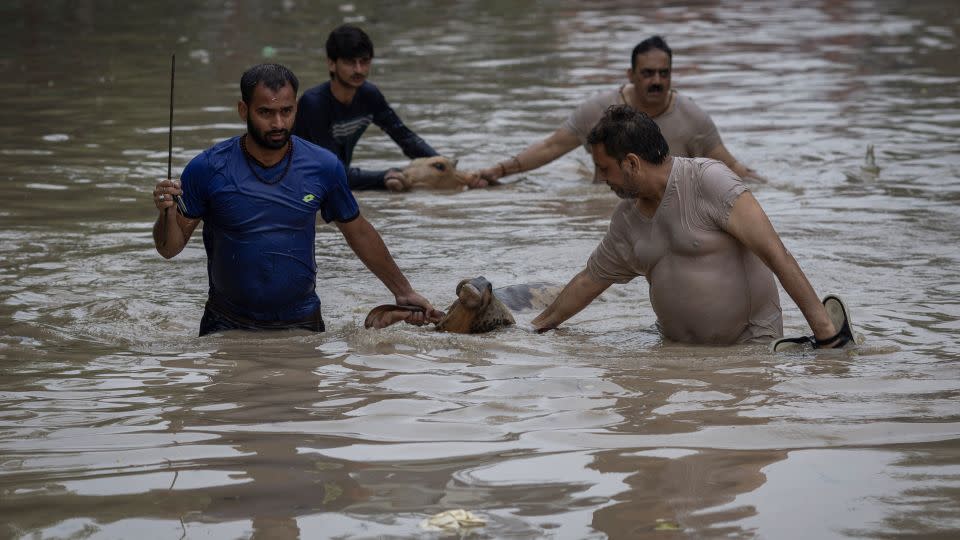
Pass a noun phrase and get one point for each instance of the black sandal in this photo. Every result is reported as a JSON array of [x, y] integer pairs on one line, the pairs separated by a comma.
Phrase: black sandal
[[837, 311]]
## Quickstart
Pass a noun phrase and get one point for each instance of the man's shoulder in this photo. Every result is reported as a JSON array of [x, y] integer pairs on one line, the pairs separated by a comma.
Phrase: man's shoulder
[[320, 89], [582, 119], [203, 170], [700, 167], [606, 97], [711, 166], [217, 156], [225, 145], [710, 173], [686, 104], [369, 88], [717, 187], [321, 92], [370, 93], [318, 154]]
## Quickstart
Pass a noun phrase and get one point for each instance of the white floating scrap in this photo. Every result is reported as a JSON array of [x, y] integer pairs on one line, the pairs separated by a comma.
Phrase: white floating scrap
[[452, 521]]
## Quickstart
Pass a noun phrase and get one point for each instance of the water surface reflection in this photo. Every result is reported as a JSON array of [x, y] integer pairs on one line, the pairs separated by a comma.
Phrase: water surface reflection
[[116, 422]]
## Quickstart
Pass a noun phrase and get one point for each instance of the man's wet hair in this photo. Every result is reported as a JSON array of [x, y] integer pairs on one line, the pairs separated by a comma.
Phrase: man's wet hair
[[647, 45], [348, 41], [273, 76], [623, 131]]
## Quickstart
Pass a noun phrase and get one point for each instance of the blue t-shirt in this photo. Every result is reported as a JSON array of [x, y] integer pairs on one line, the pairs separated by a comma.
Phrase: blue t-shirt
[[259, 237]]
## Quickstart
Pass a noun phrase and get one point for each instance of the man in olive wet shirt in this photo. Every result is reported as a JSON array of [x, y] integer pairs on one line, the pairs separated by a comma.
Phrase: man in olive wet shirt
[[691, 227], [689, 131]]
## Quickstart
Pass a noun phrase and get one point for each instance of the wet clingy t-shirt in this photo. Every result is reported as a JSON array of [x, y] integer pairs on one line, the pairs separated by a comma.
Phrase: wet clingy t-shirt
[[689, 131], [259, 237], [705, 286]]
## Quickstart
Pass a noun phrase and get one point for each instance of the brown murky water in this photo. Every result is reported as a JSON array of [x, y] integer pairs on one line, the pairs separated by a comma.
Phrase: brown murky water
[[116, 422]]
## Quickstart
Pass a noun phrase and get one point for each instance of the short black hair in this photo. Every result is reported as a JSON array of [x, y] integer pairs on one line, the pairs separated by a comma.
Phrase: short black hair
[[655, 42], [348, 41], [623, 131], [273, 76]]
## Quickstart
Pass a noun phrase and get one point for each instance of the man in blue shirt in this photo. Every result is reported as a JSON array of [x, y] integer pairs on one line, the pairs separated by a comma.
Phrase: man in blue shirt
[[336, 113], [258, 195]]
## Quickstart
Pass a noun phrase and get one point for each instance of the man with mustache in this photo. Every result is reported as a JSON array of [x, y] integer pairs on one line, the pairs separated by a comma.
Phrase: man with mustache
[[702, 241], [336, 113], [258, 195], [689, 131]]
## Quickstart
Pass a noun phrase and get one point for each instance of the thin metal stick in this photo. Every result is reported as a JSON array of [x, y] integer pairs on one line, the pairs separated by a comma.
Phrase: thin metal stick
[[173, 68]]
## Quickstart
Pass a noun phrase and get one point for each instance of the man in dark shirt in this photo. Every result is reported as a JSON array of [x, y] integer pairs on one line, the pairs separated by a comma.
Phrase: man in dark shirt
[[336, 113]]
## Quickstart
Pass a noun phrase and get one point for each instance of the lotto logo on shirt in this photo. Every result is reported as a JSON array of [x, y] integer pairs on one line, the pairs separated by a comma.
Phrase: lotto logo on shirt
[[309, 197]]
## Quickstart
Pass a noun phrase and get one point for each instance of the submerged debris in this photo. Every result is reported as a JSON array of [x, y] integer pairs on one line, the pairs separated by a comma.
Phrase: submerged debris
[[870, 163]]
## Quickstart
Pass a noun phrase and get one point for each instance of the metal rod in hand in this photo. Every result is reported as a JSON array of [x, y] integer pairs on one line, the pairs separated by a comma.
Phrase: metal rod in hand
[[177, 198]]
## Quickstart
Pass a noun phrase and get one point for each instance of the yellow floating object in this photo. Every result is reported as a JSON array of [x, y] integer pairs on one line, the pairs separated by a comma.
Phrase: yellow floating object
[[452, 521], [667, 525]]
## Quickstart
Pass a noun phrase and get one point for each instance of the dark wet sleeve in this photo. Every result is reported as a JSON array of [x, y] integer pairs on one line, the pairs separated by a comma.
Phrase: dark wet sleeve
[[409, 142], [360, 180]]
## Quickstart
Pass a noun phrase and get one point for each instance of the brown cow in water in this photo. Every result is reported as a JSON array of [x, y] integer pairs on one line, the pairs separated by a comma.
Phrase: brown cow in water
[[478, 308], [437, 172]]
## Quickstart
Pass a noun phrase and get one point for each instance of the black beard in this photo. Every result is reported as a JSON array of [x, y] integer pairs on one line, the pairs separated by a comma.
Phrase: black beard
[[261, 138]]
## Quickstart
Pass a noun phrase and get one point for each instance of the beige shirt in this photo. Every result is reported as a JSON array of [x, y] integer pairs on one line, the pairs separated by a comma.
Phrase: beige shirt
[[705, 286], [689, 131]]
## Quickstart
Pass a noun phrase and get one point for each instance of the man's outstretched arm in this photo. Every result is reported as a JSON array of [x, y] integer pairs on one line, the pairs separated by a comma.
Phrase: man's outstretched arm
[[366, 242], [534, 156], [409, 142], [578, 294]]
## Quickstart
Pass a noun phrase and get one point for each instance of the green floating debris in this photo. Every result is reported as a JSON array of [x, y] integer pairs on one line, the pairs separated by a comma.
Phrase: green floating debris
[[666, 525], [331, 492]]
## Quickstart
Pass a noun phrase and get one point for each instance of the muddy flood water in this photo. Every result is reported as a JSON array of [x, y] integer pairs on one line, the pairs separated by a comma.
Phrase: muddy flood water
[[117, 422]]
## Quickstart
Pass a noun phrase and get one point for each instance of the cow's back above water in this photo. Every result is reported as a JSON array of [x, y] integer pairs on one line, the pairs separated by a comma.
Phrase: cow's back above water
[[525, 297]]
